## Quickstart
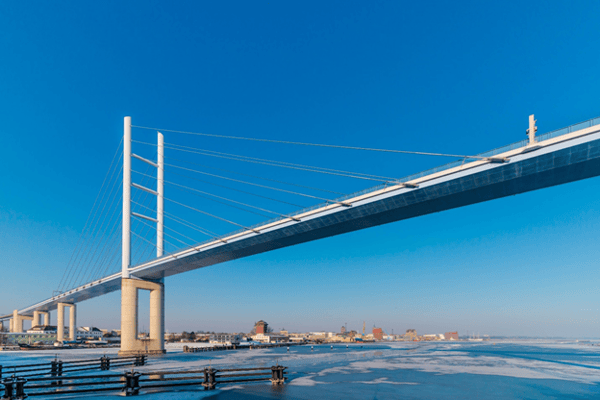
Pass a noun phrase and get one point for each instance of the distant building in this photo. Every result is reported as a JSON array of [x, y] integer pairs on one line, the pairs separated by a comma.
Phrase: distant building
[[378, 333], [89, 332], [270, 338], [261, 327], [343, 330], [48, 329], [204, 338], [451, 335], [225, 338], [318, 336], [47, 333], [411, 334], [298, 337], [38, 333]]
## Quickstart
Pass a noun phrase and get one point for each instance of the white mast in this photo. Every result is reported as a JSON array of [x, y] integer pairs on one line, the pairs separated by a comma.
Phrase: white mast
[[160, 189], [126, 246]]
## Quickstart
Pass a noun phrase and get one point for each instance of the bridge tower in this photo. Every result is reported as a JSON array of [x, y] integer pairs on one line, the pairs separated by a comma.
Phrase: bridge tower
[[130, 285]]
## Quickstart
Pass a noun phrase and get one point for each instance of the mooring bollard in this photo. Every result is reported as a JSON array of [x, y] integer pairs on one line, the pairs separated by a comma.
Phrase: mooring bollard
[[14, 388], [8, 388], [53, 370], [277, 375], [210, 380], [56, 370], [140, 360], [60, 371], [104, 363], [20, 389], [132, 383]]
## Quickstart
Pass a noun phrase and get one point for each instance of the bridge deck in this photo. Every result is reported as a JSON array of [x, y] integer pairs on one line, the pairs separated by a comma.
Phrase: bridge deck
[[556, 160]]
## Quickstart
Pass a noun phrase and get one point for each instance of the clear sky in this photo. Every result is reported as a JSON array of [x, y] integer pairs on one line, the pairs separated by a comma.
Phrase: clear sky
[[459, 77]]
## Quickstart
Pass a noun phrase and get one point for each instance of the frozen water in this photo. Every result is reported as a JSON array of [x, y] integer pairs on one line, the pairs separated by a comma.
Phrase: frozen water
[[540, 369]]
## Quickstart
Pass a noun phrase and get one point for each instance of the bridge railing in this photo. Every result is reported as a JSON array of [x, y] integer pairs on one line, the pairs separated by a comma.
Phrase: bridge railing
[[131, 382], [59, 368], [572, 128]]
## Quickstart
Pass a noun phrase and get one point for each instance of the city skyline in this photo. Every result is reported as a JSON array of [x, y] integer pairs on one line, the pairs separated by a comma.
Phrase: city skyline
[[517, 266]]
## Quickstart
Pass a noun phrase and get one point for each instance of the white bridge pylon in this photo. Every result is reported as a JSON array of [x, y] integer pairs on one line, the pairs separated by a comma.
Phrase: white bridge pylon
[[130, 344]]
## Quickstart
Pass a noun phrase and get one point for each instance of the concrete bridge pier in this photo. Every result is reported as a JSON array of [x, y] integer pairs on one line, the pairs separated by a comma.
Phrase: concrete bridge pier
[[60, 322], [10, 325], [73, 322], [17, 322], [130, 344], [37, 318], [46, 315]]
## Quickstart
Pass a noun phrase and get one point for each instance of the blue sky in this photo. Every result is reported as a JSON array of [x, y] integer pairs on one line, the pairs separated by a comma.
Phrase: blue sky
[[459, 78]]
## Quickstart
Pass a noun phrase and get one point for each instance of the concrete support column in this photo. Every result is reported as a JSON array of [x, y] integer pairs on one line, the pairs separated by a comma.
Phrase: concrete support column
[[60, 321], [73, 322], [36, 319], [130, 344], [129, 316], [10, 325], [157, 318], [17, 322], [46, 315]]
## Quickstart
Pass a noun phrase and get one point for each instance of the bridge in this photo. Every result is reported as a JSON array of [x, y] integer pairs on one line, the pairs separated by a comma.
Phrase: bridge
[[540, 161]]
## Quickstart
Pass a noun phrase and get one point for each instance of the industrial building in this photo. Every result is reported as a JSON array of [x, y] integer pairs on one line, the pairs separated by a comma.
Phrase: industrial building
[[378, 333], [261, 327]]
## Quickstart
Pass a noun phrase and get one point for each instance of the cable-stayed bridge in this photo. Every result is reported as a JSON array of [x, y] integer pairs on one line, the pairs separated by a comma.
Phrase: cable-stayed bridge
[[541, 161]]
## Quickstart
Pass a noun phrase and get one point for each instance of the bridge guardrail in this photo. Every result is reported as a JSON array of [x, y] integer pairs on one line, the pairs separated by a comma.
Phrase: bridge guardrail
[[58, 368], [132, 382]]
